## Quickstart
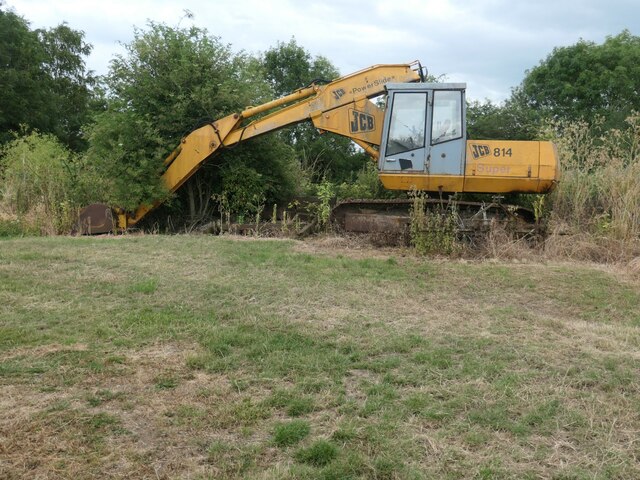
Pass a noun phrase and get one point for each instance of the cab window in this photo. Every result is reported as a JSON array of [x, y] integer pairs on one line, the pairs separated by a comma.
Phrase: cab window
[[407, 125], [447, 116]]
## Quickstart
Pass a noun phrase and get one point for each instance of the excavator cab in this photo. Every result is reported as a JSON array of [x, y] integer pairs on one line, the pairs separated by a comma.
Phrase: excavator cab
[[424, 129], [424, 146]]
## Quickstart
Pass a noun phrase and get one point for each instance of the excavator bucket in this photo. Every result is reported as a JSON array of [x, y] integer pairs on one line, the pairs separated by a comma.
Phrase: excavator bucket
[[95, 219]]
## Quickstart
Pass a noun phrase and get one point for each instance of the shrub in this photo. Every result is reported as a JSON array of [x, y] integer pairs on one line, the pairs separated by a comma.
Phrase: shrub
[[366, 185], [325, 192], [11, 227], [41, 184], [126, 152], [244, 188]]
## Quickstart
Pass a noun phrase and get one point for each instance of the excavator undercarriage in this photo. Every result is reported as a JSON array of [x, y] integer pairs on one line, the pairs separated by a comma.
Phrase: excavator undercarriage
[[385, 221], [472, 221]]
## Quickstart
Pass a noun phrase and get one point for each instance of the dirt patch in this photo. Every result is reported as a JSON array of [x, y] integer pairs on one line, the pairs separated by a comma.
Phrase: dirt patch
[[41, 351], [155, 418], [348, 246]]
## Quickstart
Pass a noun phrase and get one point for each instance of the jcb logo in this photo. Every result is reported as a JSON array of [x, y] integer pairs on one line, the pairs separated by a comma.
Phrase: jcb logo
[[361, 122], [337, 94], [480, 150]]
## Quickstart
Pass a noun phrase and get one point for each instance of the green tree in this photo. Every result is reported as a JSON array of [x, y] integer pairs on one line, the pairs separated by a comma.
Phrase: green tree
[[170, 81], [22, 100], [126, 151], [288, 67], [510, 120], [586, 80], [70, 84], [182, 77], [43, 80]]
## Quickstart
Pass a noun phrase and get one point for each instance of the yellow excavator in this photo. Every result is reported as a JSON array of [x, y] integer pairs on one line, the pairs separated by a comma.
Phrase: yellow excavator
[[418, 141]]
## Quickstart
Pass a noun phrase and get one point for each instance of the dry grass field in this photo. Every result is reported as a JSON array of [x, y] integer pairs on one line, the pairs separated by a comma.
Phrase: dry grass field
[[208, 357]]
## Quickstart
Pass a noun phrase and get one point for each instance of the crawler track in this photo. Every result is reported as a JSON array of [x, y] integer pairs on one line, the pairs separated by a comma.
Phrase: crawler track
[[473, 219]]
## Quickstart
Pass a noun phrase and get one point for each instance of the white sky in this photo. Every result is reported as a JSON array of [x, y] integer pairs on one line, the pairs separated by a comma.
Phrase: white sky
[[486, 43]]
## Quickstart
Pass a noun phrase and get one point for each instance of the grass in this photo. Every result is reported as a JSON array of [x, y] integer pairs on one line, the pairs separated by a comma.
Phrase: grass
[[319, 453], [201, 357], [290, 433]]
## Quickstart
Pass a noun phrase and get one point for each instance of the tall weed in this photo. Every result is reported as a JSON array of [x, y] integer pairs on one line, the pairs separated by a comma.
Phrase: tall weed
[[598, 196], [433, 230]]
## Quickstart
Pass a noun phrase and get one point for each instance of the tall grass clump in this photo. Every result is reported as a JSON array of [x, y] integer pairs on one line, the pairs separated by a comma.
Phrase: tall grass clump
[[433, 231], [596, 205], [40, 185]]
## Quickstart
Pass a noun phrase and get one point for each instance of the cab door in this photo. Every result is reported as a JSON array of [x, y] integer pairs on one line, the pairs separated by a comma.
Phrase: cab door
[[446, 148], [405, 148]]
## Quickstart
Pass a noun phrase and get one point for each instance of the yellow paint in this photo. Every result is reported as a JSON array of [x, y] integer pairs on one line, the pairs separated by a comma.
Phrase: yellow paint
[[492, 166], [360, 121], [502, 158]]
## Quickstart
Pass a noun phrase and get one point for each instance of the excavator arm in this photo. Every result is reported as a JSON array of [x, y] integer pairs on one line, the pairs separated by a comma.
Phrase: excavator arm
[[342, 106]]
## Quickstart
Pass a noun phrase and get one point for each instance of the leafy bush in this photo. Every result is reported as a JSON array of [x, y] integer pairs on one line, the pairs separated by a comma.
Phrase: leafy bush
[[326, 194], [12, 227], [245, 187], [366, 185], [127, 155], [260, 171], [169, 82], [41, 185]]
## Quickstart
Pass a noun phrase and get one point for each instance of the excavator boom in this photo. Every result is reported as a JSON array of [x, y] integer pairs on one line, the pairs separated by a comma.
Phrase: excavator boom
[[324, 105]]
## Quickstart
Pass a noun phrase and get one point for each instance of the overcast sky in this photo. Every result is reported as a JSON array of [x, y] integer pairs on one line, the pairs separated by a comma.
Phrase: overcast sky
[[489, 44]]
